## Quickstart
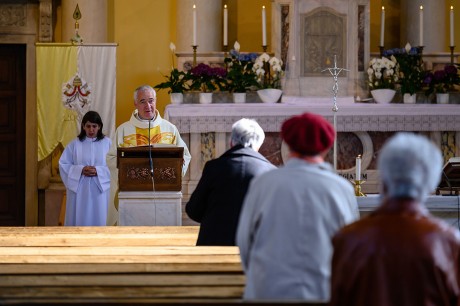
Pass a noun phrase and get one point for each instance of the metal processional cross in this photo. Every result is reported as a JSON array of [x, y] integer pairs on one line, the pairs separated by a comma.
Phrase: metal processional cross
[[335, 71]]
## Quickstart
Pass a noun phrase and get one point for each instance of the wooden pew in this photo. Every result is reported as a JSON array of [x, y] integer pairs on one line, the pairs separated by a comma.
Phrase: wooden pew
[[115, 264], [99, 236]]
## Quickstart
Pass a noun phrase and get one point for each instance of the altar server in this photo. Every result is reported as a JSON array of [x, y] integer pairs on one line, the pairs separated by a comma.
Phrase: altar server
[[85, 174], [290, 214], [399, 254], [218, 197]]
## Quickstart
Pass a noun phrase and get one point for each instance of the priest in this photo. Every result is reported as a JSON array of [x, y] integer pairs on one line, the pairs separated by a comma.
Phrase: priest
[[145, 127]]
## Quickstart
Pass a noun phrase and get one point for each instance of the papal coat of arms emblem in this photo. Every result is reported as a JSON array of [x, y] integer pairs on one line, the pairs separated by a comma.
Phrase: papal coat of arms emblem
[[76, 95]]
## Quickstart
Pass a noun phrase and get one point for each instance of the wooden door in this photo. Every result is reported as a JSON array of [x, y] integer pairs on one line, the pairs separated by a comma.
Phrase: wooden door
[[12, 134]]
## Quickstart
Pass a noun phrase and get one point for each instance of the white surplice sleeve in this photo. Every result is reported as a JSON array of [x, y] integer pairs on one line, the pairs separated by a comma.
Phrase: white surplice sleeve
[[70, 171], [103, 171]]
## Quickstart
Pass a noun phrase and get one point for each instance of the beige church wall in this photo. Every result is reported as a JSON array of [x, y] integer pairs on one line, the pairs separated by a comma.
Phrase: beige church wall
[[143, 31], [249, 25], [392, 24], [392, 31]]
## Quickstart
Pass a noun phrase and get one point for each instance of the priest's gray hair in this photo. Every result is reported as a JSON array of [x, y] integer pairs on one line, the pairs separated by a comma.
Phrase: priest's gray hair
[[248, 133], [144, 88], [410, 166]]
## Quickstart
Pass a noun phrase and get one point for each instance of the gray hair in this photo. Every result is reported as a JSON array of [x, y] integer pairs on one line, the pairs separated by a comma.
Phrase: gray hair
[[144, 88], [248, 133], [410, 166]]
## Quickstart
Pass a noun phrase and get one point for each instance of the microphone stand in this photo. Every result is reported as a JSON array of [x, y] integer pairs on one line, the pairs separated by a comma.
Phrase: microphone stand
[[150, 153]]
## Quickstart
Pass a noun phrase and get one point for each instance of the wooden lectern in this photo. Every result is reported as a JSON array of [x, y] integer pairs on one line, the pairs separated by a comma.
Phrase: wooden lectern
[[134, 172], [450, 180]]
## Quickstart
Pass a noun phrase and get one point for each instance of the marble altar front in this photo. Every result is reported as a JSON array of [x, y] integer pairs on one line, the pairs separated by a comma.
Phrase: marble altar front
[[444, 207], [362, 129]]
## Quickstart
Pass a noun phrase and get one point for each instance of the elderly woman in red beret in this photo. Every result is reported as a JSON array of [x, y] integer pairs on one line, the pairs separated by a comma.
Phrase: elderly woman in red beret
[[290, 215]]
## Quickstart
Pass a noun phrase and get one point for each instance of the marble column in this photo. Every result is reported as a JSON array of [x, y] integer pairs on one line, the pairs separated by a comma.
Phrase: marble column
[[209, 25], [434, 29], [93, 22]]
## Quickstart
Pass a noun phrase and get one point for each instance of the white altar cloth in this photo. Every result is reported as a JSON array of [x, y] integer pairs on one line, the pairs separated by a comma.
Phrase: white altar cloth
[[444, 207], [433, 203], [351, 117]]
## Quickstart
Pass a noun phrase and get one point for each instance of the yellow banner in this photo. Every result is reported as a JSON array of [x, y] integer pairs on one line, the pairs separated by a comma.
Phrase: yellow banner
[[56, 124]]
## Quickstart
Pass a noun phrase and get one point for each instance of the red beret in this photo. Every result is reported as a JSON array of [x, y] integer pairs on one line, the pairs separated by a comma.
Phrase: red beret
[[308, 134]]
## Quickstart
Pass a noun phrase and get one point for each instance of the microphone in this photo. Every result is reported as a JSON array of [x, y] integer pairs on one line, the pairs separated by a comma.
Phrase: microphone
[[150, 153]]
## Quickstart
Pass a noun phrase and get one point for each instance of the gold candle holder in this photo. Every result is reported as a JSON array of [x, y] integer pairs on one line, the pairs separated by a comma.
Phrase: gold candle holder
[[194, 55], [358, 191]]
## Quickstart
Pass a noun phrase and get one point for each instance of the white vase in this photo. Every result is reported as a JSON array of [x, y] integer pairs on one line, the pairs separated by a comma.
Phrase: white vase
[[239, 97], [442, 98], [177, 98], [205, 97], [409, 99], [383, 95], [269, 95]]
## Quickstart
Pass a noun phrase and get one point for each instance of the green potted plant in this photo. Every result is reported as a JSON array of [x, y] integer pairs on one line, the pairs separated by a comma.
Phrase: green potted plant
[[269, 72], [240, 75], [383, 76], [207, 79], [177, 83], [441, 82], [410, 67]]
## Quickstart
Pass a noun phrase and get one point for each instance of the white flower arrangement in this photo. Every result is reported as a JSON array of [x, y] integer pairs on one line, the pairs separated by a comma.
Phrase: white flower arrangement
[[268, 70], [383, 73]]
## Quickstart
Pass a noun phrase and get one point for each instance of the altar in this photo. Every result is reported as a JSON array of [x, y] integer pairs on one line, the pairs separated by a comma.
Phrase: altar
[[362, 130], [443, 207]]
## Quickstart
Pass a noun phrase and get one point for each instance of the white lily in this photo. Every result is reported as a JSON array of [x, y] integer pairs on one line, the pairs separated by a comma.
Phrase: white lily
[[236, 46], [408, 47], [172, 47]]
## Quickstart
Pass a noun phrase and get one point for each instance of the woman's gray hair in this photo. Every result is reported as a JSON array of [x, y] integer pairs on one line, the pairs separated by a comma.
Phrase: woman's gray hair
[[248, 133], [144, 88], [410, 165]]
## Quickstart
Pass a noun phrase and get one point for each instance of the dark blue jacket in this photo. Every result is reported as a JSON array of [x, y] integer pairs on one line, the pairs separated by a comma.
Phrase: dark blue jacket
[[217, 200]]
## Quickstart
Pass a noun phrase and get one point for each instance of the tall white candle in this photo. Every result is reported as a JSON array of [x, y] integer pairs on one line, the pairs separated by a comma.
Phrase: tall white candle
[[421, 26], [264, 27], [451, 26], [194, 25], [382, 27], [225, 25], [358, 168]]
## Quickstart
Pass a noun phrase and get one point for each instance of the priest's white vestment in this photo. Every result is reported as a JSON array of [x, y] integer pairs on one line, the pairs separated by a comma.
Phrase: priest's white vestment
[[135, 132]]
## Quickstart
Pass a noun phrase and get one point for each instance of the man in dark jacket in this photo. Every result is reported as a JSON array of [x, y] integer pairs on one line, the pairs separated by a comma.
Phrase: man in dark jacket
[[399, 254], [218, 197]]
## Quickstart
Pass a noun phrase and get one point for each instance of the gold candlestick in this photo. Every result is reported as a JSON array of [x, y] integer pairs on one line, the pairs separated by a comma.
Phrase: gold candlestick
[[358, 191], [194, 55]]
